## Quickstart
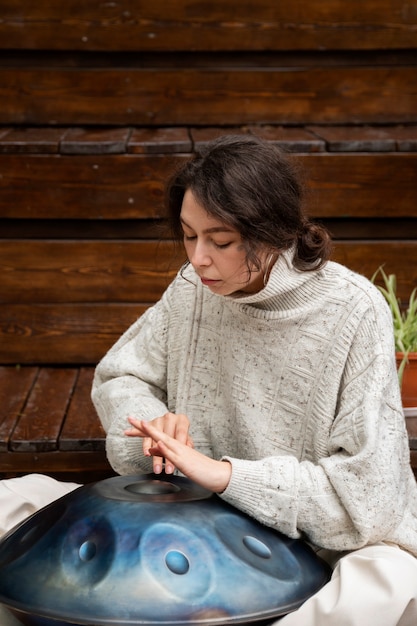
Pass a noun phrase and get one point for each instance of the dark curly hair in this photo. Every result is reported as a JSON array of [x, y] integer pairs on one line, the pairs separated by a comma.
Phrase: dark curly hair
[[250, 185]]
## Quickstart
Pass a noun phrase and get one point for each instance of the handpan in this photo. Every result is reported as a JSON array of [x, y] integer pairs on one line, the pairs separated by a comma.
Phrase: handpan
[[151, 550]]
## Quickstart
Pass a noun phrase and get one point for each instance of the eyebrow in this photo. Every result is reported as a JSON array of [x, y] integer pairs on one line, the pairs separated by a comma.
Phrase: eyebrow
[[214, 229]]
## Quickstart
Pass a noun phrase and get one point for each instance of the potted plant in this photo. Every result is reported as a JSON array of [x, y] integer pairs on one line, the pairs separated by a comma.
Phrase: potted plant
[[405, 335]]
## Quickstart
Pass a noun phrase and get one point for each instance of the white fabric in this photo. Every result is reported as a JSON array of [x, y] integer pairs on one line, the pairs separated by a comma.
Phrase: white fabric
[[7, 619], [22, 496], [296, 385], [373, 586]]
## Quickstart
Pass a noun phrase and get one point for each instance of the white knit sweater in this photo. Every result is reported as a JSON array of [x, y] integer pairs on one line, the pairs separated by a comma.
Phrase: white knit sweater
[[295, 385]]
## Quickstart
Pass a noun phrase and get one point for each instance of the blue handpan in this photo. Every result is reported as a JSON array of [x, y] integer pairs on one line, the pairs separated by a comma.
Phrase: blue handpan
[[151, 550]]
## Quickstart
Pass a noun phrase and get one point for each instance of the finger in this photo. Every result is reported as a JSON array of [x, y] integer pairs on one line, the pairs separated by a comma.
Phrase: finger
[[160, 450], [153, 432], [135, 428], [166, 423], [158, 458], [164, 446], [149, 447], [147, 442], [182, 426], [161, 430], [169, 428]]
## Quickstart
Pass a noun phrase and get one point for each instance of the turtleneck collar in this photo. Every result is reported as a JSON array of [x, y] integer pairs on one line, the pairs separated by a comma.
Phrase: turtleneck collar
[[287, 288]]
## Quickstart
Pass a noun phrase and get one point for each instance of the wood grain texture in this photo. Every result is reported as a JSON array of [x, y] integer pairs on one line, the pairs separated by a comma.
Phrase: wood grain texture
[[76, 466], [40, 422], [216, 91], [65, 334], [361, 185], [86, 187], [90, 273], [71, 331], [123, 187], [100, 102], [85, 271], [15, 386], [82, 429], [216, 25]]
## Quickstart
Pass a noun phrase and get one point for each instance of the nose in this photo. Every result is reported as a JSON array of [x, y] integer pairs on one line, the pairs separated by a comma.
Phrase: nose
[[199, 255]]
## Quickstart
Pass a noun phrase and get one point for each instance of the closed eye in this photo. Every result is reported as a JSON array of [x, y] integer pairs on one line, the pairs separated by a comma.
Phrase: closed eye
[[222, 245]]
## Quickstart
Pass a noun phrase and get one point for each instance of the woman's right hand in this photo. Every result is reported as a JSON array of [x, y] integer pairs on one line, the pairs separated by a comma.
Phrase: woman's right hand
[[176, 425]]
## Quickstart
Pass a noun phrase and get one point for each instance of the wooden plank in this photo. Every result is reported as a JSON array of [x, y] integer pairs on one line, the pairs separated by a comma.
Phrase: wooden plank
[[123, 274], [355, 139], [15, 386], [86, 187], [53, 462], [289, 139], [99, 141], [3, 132], [68, 333], [365, 257], [107, 230], [361, 185], [78, 229], [51, 140], [189, 25], [122, 187], [86, 271], [82, 429], [371, 229], [367, 138], [82, 333], [405, 138], [95, 141], [160, 140], [41, 421], [411, 423], [267, 90], [31, 140]]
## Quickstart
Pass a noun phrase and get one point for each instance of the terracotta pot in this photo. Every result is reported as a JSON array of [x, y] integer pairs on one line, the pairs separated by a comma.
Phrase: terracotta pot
[[409, 382]]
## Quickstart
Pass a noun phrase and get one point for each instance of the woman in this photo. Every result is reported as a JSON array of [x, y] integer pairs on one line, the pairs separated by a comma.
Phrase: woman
[[266, 373]]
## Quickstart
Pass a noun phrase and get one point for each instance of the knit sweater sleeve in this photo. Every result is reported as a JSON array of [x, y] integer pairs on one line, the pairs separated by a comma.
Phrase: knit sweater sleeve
[[130, 381], [356, 491]]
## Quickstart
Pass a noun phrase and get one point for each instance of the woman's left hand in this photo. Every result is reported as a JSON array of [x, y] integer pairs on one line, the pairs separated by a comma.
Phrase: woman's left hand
[[209, 473]]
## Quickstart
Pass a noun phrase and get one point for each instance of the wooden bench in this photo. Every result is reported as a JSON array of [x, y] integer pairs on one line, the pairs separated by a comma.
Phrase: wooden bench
[[48, 424], [99, 106], [73, 281]]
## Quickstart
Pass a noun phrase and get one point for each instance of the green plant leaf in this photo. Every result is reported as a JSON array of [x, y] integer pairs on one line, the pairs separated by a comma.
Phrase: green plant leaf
[[404, 319]]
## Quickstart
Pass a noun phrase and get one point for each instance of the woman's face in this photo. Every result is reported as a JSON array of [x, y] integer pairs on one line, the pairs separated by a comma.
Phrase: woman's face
[[216, 252]]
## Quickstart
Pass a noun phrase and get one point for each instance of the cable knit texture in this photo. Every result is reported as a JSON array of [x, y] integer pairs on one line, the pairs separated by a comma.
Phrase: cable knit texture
[[296, 386]]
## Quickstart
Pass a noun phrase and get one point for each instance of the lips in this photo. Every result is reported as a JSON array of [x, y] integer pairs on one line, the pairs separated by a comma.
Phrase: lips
[[208, 281]]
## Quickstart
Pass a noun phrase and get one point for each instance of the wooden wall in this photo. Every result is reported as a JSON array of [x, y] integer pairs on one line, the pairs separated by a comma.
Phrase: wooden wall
[[99, 101]]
